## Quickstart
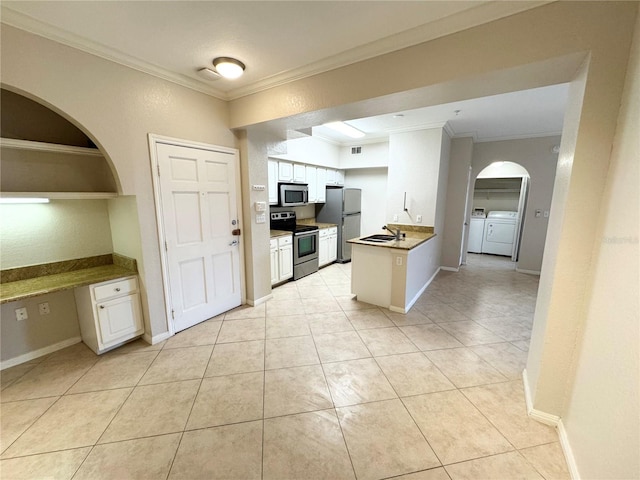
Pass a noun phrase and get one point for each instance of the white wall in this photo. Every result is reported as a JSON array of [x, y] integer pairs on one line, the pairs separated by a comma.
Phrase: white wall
[[311, 150], [373, 182], [32, 234], [535, 155], [414, 163], [502, 169], [602, 414], [371, 155]]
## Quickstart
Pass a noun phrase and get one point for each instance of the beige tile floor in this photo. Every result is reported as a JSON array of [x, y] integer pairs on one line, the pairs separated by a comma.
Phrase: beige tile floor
[[312, 385]]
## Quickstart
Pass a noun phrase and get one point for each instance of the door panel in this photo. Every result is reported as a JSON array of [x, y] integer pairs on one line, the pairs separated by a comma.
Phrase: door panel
[[186, 206], [199, 211], [193, 282]]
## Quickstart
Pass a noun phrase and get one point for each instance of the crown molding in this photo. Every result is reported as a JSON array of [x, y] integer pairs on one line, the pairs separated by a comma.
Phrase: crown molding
[[472, 17], [36, 27]]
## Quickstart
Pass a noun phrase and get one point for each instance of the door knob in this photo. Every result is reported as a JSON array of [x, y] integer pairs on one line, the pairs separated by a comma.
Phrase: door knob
[[235, 242]]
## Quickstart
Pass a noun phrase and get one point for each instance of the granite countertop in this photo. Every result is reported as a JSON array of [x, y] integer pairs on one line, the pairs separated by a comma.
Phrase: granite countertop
[[414, 236], [52, 281], [278, 233]]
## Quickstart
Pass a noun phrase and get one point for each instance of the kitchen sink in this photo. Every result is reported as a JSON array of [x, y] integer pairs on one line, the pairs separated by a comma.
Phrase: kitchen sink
[[378, 238]]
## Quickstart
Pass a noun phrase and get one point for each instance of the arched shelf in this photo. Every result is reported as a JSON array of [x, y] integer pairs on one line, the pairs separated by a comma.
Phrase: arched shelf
[[54, 171]]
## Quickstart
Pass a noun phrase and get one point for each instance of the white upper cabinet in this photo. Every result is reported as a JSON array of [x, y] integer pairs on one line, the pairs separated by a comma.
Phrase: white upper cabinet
[[331, 176], [321, 184], [285, 171], [299, 173], [273, 181], [335, 177], [312, 182]]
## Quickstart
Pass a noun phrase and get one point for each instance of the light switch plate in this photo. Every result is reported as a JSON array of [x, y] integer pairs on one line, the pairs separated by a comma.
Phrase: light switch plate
[[261, 206], [261, 218], [259, 188]]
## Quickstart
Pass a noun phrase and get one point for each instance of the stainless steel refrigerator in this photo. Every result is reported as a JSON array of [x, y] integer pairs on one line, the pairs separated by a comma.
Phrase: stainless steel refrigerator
[[342, 208]]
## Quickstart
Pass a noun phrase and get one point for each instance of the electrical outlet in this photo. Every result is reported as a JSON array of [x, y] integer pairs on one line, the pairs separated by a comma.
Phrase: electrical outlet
[[21, 314], [399, 261], [43, 308], [261, 218], [546, 214], [538, 213], [395, 217], [419, 218]]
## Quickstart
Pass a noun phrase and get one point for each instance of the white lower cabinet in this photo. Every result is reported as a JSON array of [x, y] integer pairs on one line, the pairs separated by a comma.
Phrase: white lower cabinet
[[109, 313], [332, 241], [281, 259], [328, 246]]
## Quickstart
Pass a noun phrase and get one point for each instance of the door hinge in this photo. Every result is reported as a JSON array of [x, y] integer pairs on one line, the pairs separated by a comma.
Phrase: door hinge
[[158, 169], [173, 314], [166, 248]]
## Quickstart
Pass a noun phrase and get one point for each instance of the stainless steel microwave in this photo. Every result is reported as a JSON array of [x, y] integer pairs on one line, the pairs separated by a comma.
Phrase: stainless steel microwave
[[293, 194]]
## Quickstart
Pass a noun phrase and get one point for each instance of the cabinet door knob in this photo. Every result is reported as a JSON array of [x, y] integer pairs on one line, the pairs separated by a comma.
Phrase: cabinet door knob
[[117, 289]]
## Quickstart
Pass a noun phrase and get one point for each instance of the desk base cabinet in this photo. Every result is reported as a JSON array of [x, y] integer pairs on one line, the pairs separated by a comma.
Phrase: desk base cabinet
[[109, 313]]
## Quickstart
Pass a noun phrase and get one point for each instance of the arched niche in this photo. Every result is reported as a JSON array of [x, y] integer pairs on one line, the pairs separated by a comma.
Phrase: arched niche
[[44, 151]]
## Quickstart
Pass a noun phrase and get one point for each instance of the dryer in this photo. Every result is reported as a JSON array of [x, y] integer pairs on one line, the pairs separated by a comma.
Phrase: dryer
[[500, 233]]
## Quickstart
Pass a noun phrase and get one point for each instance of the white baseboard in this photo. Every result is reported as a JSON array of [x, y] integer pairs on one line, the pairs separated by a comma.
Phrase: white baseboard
[[530, 272], [540, 416], [259, 301], [26, 357], [568, 452], [393, 308], [450, 269], [156, 338]]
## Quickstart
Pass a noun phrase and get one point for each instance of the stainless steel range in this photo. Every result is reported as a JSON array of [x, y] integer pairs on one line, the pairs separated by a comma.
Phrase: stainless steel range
[[305, 242]]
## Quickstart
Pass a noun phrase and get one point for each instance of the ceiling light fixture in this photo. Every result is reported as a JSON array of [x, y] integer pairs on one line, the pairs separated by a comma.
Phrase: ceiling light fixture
[[12, 200], [229, 67], [345, 129]]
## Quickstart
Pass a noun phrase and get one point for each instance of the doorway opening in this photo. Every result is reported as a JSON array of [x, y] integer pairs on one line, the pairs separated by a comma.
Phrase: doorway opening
[[498, 210]]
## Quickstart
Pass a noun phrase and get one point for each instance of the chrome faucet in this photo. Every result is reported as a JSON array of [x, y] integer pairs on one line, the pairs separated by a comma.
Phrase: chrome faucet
[[396, 233]]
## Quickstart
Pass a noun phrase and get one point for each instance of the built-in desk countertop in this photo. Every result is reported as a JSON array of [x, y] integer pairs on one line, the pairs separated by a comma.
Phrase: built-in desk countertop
[[51, 279]]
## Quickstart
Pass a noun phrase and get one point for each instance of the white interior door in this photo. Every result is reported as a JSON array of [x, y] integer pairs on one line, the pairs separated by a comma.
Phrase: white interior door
[[198, 199]]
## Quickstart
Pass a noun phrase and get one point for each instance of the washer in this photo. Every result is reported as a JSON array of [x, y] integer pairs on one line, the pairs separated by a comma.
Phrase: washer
[[500, 233], [476, 232]]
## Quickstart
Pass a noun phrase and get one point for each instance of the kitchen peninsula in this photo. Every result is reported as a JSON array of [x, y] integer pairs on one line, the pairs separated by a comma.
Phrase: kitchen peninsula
[[392, 274]]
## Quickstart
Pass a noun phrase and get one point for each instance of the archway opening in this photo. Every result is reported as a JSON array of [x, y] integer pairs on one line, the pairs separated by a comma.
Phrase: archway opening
[[498, 210]]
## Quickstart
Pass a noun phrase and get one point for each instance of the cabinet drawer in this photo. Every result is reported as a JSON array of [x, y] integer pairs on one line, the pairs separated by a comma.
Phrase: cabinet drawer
[[333, 231], [324, 232], [114, 289], [285, 241]]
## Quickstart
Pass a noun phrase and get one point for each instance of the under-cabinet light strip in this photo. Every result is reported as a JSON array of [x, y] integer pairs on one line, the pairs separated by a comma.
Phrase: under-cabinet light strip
[[11, 200]]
